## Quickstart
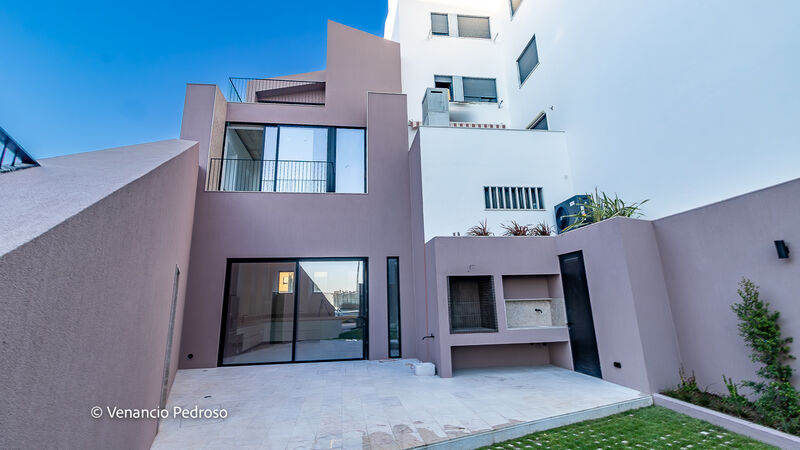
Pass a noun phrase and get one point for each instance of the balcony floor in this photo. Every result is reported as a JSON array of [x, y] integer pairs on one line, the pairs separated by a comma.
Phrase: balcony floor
[[371, 404]]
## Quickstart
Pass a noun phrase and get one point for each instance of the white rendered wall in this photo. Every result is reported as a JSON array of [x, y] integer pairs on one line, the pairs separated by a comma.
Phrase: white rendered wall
[[458, 162], [423, 55], [683, 102]]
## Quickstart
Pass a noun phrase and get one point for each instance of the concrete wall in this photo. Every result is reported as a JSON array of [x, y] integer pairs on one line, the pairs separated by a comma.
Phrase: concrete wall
[[660, 290], [425, 55], [660, 100], [630, 306], [375, 225], [706, 252], [493, 256], [456, 163], [87, 267]]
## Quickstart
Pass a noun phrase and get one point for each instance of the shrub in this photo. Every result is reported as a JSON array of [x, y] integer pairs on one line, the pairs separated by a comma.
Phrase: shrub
[[515, 229], [542, 229], [600, 207], [778, 401], [481, 229]]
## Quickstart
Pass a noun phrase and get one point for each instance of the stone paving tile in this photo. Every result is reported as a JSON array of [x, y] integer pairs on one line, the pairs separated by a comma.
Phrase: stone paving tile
[[368, 404]]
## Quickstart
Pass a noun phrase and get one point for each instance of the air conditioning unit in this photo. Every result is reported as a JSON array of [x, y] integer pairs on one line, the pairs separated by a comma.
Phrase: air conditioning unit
[[436, 107], [570, 207]]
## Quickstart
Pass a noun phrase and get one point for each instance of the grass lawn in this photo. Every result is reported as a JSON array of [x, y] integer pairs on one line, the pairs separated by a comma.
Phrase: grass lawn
[[652, 427]]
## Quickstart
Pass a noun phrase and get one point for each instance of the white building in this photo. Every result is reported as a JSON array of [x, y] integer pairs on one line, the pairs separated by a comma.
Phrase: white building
[[659, 100]]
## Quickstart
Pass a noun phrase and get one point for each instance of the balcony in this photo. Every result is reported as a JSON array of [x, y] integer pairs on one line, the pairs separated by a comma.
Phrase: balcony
[[252, 175], [273, 90], [12, 155]]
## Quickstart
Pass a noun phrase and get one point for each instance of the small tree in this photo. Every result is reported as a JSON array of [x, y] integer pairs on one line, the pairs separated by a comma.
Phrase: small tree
[[600, 206], [778, 400]]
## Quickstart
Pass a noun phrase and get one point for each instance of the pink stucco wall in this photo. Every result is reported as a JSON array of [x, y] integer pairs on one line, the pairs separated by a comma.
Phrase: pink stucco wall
[[660, 290], [85, 304], [630, 306], [363, 88], [706, 251]]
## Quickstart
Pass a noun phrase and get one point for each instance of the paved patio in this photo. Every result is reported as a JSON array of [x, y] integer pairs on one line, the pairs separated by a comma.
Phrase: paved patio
[[370, 404]]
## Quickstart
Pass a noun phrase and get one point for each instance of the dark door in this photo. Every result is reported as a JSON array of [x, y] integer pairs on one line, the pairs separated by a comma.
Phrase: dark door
[[579, 315]]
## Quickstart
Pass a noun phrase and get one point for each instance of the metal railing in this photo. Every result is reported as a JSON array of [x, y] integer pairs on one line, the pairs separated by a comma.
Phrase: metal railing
[[252, 175], [273, 90], [12, 155]]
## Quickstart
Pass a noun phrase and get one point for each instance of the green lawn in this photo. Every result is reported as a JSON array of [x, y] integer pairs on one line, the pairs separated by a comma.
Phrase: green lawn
[[652, 427]]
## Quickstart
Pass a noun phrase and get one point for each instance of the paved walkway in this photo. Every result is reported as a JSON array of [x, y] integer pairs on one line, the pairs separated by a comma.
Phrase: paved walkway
[[369, 404]]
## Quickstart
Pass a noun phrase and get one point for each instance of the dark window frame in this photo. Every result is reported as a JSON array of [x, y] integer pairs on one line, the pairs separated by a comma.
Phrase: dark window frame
[[296, 261], [469, 16], [513, 198], [447, 24], [331, 155], [495, 99], [533, 69], [542, 117], [399, 310]]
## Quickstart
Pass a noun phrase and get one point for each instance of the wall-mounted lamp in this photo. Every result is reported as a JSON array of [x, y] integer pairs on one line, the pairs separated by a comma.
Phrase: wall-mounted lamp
[[783, 249]]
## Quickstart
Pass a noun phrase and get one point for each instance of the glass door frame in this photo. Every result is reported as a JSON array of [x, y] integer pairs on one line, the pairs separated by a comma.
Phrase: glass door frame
[[296, 262]]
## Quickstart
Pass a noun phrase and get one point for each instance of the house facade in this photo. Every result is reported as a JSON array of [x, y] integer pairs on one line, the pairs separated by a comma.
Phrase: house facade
[[323, 216], [301, 241], [332, 207]]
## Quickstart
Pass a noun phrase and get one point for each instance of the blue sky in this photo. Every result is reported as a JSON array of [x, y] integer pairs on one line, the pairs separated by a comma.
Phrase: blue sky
[[81, 76]]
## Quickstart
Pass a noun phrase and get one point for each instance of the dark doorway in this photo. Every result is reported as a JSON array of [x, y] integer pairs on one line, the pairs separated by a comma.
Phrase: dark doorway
[[579, 315]]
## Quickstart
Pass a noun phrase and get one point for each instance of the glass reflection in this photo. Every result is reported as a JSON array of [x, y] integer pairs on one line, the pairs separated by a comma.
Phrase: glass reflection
[[331, 310], [260, 313]]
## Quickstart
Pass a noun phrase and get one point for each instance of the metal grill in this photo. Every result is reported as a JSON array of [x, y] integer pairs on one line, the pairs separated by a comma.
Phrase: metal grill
[[471, 304], [251, 175]]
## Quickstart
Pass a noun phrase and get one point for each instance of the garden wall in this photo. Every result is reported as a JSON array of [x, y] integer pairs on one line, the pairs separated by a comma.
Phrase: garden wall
[[705, 252]]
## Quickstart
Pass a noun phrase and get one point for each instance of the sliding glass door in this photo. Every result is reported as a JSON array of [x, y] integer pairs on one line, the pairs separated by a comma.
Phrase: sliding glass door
[[294, 310]]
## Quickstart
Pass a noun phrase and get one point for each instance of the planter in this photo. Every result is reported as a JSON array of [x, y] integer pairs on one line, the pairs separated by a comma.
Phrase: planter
[[730, 423]]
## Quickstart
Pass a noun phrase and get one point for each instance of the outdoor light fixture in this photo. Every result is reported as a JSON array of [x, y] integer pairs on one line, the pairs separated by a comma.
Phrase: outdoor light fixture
[[783, 249]]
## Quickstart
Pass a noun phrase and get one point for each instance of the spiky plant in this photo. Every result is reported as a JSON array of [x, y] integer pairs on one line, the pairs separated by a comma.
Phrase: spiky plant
[[600, 206], [481, 229], [515, 229], [542, 229]]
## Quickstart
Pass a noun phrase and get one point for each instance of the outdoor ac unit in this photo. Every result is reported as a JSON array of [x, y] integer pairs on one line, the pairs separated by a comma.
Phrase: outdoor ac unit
[[570, 207], [436, 107]]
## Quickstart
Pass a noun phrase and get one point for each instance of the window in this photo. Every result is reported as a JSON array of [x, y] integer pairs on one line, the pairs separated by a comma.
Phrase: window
[[293, 310], [480, 90], [528, 60], [290, 158], [439, 25], [351, 164], [508, 197], [474, 27], [444, 82], [471, 304], [393, 296], [539, 123], [514, 6]]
